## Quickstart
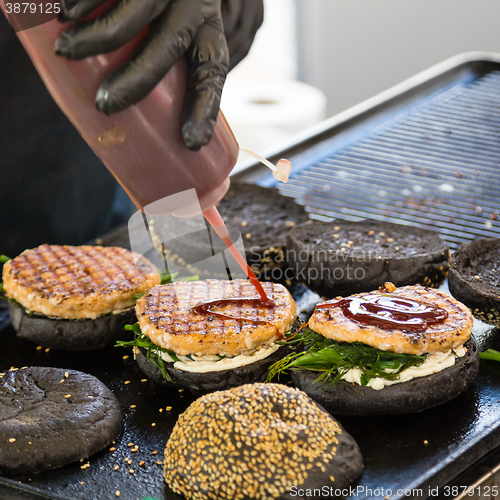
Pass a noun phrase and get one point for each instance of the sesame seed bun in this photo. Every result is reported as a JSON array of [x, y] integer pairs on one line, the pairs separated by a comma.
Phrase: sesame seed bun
[[258, 441]]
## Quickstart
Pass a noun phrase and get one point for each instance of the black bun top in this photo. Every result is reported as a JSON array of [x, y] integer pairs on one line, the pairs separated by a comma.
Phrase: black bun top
[[475, 278], [258, 437], [50, 417]]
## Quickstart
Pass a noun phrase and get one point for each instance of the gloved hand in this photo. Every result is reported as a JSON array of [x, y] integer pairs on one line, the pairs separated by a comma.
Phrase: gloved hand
[[176, 27]]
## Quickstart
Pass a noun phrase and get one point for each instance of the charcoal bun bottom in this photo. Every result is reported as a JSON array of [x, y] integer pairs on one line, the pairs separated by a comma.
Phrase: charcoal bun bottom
[[473, 278], [41, 428], [71, 335], [201, 383], [413, 396]]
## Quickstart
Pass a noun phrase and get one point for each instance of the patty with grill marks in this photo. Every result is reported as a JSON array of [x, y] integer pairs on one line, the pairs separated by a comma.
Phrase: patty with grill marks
[[166, 316], [82, 282], [453, 332]]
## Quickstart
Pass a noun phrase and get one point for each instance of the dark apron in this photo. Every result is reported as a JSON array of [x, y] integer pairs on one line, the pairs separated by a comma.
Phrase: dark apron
[[53, 189]]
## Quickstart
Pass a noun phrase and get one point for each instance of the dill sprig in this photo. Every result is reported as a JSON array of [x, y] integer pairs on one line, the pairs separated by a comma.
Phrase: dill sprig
[[152, 350], [334, 359]]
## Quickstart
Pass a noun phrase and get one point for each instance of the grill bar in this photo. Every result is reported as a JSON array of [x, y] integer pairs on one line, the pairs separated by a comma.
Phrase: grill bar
[[436, 165]]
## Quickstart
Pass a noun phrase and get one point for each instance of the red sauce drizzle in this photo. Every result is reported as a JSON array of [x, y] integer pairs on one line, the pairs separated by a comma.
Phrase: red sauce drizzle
[[215, 220], [205, 308], [389, 312]]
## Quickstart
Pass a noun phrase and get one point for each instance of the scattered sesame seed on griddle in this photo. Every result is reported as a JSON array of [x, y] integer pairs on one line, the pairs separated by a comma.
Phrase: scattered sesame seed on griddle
[[252, 441]]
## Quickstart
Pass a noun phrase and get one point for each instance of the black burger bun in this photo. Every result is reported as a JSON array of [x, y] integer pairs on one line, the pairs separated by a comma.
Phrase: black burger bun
[[475, 278], [201, 383], [46, 423], [344, 257], [413, 396], [70, 335], [258, 441]]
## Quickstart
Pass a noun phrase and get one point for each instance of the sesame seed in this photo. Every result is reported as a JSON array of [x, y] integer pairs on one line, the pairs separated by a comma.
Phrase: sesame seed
[[335, 236], [155, 453], [389, 240], [158, 462], [66, 374], [160, 410], [12, 440], [90, 397], [130, 445], [144, 379], [168, 408], [112, 448], [116, 467], [126, 356], [248, 236], [133, 406], [244, 223], [131, 471], [67, 396], [141, 464], [39, 348], [48, 349], [153, 424], [371, 232], [117, 493], [127, 382]]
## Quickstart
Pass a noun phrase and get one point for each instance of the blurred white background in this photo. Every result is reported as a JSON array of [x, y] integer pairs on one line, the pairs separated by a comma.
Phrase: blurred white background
[[349, 50]]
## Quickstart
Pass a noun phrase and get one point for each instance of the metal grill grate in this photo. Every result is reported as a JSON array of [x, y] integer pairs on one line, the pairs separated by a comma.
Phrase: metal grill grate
[[437, 166]]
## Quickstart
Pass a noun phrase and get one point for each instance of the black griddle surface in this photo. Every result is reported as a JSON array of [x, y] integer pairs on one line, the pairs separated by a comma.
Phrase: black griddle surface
[[404, 454]]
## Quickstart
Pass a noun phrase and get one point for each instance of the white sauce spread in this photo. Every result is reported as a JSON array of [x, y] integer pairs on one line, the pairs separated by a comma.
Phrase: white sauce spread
[[434, 363], [212, 363]]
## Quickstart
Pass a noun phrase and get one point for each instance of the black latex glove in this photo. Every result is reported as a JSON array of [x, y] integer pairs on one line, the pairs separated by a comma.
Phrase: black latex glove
[[176, 27]]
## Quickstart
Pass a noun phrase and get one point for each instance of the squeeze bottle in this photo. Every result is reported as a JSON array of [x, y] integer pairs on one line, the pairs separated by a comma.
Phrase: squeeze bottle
[[142, 145]]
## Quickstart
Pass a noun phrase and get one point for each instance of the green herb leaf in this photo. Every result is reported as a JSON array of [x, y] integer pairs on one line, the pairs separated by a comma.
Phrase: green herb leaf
[[2, 289], [153, 352], [334, 359], [490, 354], [169, 278], [4, 258]]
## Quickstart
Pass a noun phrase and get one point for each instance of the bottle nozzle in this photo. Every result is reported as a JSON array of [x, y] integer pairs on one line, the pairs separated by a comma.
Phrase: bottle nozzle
[[281, 171]]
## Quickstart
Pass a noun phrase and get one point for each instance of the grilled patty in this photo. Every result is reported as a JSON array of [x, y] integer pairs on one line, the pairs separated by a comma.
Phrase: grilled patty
[[450, 334], [165, 315], [77, 282]]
